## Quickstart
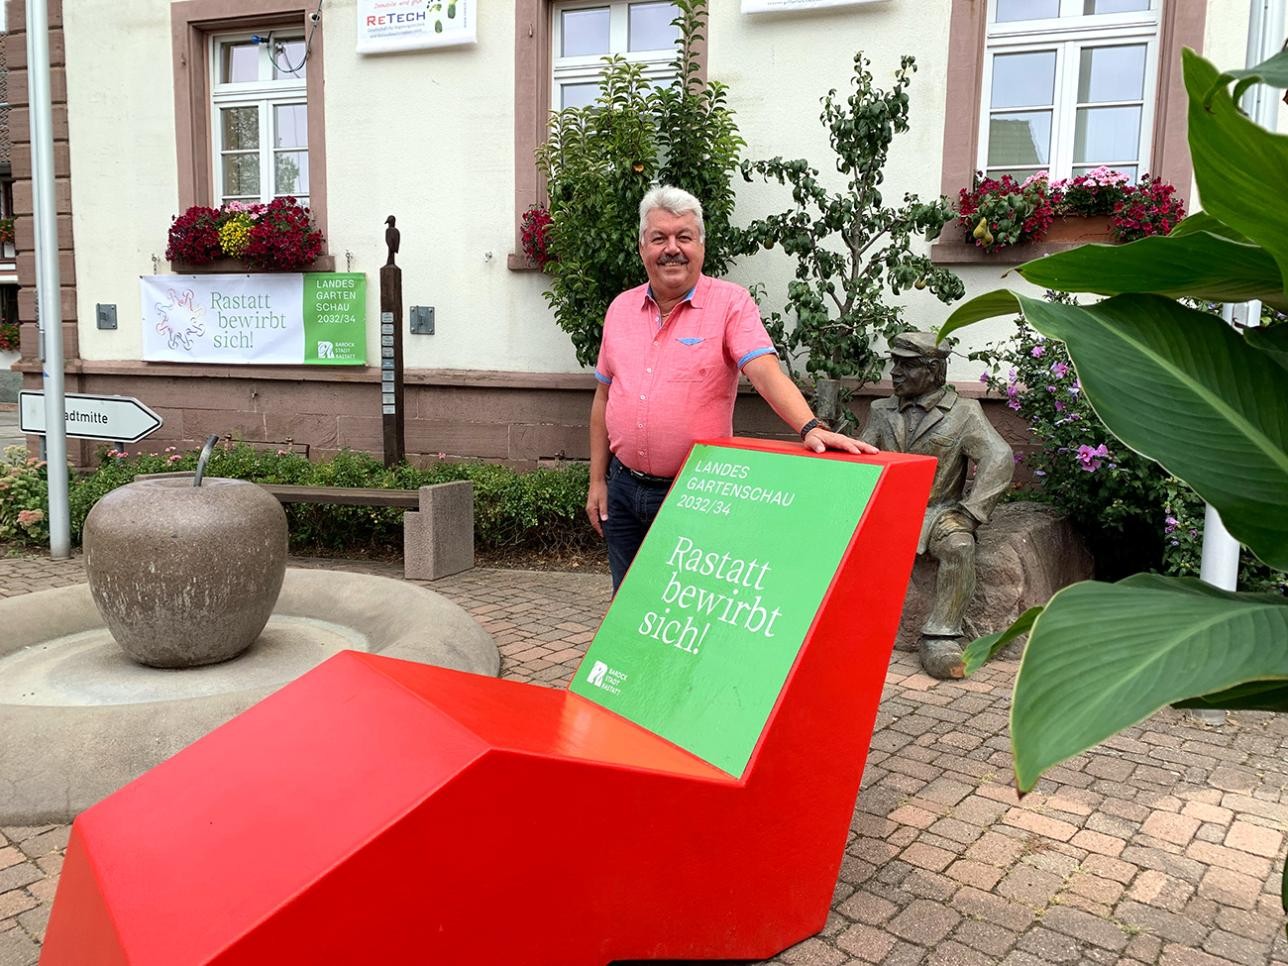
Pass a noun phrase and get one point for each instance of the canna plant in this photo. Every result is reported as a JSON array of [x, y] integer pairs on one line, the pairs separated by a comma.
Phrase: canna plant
[[1208, 402]]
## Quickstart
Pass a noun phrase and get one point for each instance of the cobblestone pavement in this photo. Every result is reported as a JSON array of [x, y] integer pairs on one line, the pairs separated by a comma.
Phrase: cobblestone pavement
[[1162, 846]]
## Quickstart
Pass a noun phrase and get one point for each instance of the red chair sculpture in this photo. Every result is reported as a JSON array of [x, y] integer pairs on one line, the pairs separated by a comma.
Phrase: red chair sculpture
[[376, 811]]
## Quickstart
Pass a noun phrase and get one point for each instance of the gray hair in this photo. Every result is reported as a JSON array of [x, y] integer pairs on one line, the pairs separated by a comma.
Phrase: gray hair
[[675, 200]]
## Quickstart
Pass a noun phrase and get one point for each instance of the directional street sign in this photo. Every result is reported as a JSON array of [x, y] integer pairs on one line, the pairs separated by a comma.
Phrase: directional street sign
[[115, 419]]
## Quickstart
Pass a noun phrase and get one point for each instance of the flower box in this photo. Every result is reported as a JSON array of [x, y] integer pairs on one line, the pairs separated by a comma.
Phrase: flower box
[[1079, 230], [235, 266]]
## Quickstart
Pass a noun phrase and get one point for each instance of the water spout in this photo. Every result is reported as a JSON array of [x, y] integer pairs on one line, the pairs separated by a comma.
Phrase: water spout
[[201, 460]]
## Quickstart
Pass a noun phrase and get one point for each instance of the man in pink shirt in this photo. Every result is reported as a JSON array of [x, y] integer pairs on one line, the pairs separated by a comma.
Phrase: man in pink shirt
[[668, 375]]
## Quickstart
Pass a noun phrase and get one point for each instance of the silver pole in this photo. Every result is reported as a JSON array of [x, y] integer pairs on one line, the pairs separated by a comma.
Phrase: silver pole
[[48, 283]]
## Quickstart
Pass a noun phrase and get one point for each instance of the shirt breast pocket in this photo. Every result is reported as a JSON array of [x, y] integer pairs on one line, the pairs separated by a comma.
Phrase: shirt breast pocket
[[690, 360]]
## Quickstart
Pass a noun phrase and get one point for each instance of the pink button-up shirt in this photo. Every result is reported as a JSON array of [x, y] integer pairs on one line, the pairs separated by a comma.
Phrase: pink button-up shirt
[[675, 383]]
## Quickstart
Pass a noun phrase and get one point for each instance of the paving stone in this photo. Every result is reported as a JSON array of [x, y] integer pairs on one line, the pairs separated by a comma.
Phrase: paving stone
[[924, 922], [1052, 828], [1174, 955], [1159, 889], [866, 907], [1177, 829], [988, 938], [995, 909], [1159, 922], [1255, 839], [927, 857], [975, 874], [951, 953], [1084, 926], [16, 947], [1030, 886], [1093, 887], [812, 952], [1237, 949], [1051, 946], [866, 943], [1230, 888]]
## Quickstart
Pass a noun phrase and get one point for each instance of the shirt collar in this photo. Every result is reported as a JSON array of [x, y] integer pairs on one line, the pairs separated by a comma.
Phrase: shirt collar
[[926, 401], [692, 296]]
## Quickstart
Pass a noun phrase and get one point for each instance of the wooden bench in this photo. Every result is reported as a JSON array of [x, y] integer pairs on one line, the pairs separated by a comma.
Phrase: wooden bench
[[438, 527]]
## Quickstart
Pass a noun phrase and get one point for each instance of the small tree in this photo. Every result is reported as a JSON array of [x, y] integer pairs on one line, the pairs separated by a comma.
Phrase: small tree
[[850, 248], [600, 160]]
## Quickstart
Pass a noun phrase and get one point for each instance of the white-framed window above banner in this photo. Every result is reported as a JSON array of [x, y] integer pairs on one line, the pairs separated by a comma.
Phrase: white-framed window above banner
[[1068, 86], [259, 117], [584, 32]]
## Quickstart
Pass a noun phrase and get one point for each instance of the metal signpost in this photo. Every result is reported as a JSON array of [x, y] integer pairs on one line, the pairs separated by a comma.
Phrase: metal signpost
[[113, 419]]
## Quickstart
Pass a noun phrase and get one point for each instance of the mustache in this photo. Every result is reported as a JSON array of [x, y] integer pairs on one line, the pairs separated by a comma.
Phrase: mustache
[[673, 260]]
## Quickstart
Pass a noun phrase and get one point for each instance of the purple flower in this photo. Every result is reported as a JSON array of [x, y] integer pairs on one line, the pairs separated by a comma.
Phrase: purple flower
[[1089, 459], [1037, 351], [1059, 406], [1039, 472], [1059, 370], [1170, 523], [983, 377], [1050, 388], [1011, 376], [1013, 403]]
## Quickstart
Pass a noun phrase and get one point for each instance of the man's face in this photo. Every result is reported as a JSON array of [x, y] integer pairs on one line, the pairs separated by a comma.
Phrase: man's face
[[912, 377], [671, 252]]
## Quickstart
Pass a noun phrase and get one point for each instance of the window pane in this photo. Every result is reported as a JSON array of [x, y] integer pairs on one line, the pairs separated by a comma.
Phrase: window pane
[[1012, 10], [238, 63], [1090, 7], [1024, 80], [288, 59], [291, 172], [650, 26], [1130, 170], [577, 95], [1112, 74], [241, 174], [585, 32], [1103, 135], [240, 127], [290, 126], [1019, 139], [1019, 174]]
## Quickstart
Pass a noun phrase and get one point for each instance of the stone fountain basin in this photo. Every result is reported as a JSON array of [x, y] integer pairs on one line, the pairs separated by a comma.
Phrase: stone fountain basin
[[79, 719]]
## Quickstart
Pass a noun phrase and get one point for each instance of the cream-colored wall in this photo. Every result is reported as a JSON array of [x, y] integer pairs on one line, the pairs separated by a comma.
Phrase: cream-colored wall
[[123, 159], [428, 136]]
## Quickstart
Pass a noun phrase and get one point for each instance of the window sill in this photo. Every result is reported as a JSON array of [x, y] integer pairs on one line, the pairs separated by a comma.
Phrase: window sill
[[1065, 234], [520, 263], [231, 266]]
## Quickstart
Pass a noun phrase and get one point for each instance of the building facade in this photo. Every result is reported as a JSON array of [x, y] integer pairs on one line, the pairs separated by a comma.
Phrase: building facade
[[161, 105]]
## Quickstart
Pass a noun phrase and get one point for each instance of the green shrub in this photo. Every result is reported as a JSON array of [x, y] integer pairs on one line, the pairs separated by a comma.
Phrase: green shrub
[[539, 510]]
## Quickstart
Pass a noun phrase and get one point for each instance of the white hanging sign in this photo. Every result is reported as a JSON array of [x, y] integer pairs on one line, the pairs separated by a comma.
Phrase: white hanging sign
[[781, 6], [385, 26]]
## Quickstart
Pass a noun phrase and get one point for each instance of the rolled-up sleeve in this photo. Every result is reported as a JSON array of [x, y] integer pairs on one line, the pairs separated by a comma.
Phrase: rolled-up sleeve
[[745, 335]]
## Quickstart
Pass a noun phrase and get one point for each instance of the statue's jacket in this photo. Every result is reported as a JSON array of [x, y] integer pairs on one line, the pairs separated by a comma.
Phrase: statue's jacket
[[956, 432]]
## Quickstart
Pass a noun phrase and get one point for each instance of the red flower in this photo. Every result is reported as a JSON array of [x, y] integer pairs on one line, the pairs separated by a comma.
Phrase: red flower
[[535, 235]]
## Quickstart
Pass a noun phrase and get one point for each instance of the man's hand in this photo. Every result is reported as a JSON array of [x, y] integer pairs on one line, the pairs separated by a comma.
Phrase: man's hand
[[821, 439], [597, 505]]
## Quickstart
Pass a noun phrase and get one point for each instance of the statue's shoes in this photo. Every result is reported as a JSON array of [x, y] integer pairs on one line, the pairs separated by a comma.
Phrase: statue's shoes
[[941, 657]]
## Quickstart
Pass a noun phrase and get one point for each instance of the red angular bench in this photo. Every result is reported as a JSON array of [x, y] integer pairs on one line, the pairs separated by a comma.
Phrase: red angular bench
[[682, 800]]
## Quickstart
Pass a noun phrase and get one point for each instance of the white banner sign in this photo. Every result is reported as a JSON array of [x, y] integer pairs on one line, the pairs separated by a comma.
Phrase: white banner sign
[[390, 25], [259, 319], [779, 6]]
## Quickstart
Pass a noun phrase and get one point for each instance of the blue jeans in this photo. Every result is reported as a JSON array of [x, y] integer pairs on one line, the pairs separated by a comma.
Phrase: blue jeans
[[632, 507]]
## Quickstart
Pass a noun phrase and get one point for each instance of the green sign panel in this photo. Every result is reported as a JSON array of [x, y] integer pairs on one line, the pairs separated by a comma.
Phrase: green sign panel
[[335, 318], [703, 631]]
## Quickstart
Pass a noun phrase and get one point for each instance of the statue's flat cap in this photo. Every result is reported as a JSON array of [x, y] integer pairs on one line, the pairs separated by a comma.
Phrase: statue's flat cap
[[918, 345]]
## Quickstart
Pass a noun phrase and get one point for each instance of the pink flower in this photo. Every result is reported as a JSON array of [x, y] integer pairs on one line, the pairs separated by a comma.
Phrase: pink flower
[[1059, 370], [174, 458], [1037, 351], [27, 518], [1089, 459]]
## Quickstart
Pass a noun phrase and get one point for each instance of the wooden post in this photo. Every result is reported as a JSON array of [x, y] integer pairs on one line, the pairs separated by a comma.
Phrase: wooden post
[[391, 363]]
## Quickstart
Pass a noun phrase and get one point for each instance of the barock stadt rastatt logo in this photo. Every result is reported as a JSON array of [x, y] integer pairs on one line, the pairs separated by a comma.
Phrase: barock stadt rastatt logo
[[179, 319]]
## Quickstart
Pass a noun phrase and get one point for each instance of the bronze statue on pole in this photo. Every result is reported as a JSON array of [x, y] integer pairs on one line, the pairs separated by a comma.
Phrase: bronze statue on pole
[[927, 416]]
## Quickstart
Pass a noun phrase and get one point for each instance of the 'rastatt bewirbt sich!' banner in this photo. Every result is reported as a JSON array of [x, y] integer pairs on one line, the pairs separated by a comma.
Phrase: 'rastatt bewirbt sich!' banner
[[263, 319]]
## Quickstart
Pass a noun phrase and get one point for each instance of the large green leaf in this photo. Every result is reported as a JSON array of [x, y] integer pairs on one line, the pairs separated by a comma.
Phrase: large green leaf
[[1273, 71], [1182, 388], [1103, 657], [981, 650], [1272, 340], [987, 306], [1240, 168], [1199, 264], [1253, 696], [1202, 221]]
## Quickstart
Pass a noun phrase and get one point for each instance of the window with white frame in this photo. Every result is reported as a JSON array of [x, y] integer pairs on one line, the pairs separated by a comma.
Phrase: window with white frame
[[1069, 85], [259, 119], [584, 32]]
